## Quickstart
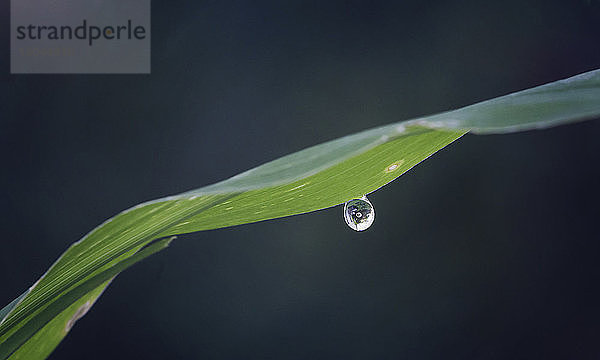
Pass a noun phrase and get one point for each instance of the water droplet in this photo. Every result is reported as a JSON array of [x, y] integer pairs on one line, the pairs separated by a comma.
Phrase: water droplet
[[359, 213]]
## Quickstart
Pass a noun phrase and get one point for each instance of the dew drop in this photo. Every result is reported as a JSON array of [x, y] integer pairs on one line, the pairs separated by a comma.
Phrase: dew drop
[[359, 213]]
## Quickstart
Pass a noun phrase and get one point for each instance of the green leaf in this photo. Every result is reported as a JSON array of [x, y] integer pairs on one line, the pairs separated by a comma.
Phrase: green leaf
[[315, 178], [51, 325]]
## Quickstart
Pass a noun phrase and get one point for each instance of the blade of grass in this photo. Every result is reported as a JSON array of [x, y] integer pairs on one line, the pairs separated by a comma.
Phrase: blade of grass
[[38, 338], [315, 178], [120, 237]]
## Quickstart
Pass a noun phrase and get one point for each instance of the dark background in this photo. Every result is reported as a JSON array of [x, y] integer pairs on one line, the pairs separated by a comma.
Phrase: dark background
[[488, 250]]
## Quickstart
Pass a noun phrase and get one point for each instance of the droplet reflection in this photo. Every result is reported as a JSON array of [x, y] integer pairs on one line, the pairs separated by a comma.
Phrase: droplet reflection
[[359, 213]]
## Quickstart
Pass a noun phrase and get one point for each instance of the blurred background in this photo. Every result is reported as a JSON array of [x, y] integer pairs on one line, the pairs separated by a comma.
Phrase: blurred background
[[488, 250]]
